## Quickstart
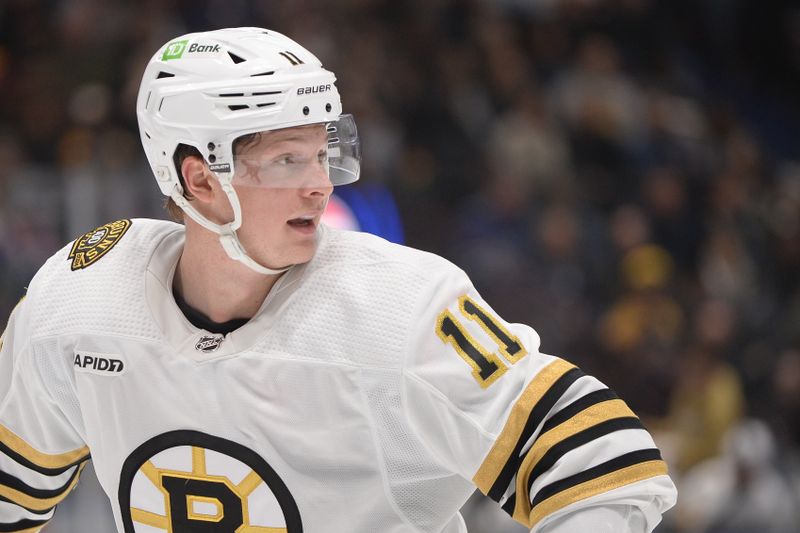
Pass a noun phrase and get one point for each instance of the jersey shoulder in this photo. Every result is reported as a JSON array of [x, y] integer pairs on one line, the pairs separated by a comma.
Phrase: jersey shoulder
[[378, 272], [348, 249], [359, 300], [96, 282]]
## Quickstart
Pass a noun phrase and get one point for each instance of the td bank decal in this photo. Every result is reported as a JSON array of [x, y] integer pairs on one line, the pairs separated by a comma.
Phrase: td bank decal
[[187, 481], [176, 49]]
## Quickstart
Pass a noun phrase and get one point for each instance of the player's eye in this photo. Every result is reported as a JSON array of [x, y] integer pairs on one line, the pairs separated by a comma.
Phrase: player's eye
[[285, 159]]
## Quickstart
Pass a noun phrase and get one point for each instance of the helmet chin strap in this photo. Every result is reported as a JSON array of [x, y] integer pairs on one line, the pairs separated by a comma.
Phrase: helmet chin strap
[[227, 232]]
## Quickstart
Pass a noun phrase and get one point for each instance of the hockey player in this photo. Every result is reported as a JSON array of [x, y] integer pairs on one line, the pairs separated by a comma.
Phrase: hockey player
[[251, 370]]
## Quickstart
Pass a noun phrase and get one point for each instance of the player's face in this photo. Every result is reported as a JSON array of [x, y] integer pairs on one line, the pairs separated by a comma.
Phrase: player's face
[[283, 187]]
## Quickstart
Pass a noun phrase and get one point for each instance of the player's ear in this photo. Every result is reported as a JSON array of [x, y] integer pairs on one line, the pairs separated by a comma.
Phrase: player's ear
[[197, 179]]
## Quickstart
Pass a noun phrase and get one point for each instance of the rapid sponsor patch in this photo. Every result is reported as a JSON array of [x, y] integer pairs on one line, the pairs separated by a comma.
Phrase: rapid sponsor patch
[[89, 248], [99, 363]]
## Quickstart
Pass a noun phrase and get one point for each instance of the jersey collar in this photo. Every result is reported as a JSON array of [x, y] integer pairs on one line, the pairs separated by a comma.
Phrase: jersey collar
[[180, 335]]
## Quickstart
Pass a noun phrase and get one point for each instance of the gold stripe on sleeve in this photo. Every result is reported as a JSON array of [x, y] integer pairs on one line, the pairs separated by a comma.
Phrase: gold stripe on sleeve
[[45, 460], [611, 481], [39, 504], [591, 416], [36, 529], [510, 435]]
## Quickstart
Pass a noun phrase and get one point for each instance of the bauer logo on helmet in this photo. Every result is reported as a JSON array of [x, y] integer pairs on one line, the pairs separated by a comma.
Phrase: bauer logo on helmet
[[312, 90]]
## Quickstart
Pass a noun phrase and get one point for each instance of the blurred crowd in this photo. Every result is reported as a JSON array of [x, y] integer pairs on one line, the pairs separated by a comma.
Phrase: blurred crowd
[[623, 175]]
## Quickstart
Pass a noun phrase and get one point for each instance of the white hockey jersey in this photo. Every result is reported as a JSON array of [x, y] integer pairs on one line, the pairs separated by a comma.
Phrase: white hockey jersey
[[371, 393]]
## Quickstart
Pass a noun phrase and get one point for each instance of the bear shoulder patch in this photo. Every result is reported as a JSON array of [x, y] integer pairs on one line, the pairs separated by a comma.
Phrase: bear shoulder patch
[[90, 247]]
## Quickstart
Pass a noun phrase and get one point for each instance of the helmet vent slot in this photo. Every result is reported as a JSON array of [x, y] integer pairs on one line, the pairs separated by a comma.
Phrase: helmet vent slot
[[163, 74], [266, 104], [231, 94], [293, 59], [236, 59], [270, 73], [238, 107], [265, 93]]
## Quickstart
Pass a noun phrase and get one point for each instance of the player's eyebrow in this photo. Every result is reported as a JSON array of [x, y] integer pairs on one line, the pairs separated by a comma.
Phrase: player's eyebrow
[[278, 139], [294, 136], [297, 133], [287, 140]]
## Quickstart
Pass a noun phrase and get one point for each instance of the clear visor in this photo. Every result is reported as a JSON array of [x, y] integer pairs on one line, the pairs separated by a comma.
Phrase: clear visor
[[303, 157]]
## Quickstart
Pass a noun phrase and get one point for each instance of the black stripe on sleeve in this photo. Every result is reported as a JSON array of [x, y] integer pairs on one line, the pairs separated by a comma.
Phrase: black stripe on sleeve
[[33, 511], [579, 439], [562, 416], [510, 504], [537, 414], [577, 406], [13, 482], [623, 461], [24, 461], [21, 525]]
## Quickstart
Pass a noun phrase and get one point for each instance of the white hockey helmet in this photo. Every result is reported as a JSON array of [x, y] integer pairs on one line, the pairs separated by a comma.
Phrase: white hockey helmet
[[207, 89]]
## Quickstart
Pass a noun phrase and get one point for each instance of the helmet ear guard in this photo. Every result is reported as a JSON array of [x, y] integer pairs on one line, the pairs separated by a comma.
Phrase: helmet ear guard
[[207, 89]]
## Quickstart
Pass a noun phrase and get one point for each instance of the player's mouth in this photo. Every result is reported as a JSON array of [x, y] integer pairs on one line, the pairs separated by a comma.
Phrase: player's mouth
[[304, 224]]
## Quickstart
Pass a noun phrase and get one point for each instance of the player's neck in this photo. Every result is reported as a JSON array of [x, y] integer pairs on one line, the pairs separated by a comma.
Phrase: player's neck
[[216, 285]]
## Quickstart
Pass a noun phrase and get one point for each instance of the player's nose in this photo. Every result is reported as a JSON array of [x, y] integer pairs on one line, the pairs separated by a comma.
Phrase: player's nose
[[318, 181]]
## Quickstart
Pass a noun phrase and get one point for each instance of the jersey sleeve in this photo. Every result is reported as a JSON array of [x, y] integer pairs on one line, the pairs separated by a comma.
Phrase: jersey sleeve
[[532, 431], [41, 454]]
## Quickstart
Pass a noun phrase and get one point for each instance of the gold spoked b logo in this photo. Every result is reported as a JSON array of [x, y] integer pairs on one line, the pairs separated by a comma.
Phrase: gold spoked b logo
[[191, 482]]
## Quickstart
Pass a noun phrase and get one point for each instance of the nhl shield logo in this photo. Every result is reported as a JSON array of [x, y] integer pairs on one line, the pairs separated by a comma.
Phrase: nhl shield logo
[[89, 248], [209, 343]]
